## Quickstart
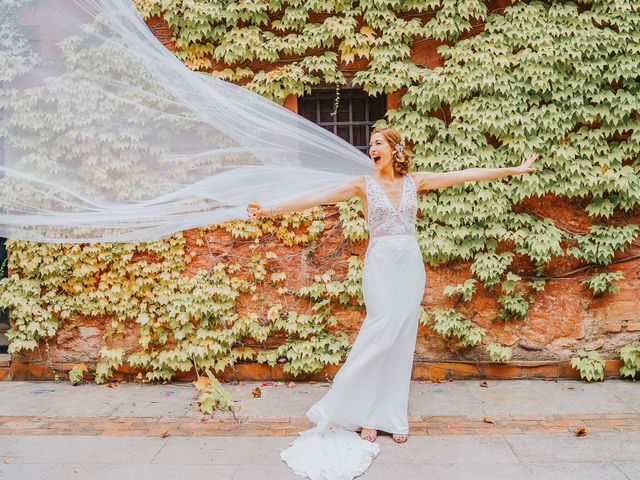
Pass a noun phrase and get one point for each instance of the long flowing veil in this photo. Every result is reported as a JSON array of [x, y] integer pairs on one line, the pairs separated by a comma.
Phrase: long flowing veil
[[105, 136]]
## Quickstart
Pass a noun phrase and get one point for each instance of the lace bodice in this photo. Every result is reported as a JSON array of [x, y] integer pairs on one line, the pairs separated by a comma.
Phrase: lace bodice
[[383, 218]]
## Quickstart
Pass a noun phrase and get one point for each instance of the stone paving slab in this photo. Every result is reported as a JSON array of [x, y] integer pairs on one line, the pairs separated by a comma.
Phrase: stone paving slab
[[495, 471], [630, 468], [560, 448], [446, 458], [461, 397], [528, 471], [132, 399], [531, 396]]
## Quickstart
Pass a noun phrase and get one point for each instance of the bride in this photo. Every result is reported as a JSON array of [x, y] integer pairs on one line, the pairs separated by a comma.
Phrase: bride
[[370, 392]]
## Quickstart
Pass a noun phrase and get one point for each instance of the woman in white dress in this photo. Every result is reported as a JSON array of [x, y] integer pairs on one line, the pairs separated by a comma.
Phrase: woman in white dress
[[370, 392]]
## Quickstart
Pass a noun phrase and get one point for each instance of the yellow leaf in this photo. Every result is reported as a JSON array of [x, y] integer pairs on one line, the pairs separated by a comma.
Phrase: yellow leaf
[[202, 383], [365, 30]]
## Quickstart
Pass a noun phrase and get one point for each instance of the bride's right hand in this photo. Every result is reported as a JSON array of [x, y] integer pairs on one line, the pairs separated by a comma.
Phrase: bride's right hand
[[256, 210]]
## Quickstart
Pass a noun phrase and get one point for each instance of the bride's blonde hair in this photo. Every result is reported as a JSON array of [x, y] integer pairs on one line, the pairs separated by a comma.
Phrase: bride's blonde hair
[[400, 151]]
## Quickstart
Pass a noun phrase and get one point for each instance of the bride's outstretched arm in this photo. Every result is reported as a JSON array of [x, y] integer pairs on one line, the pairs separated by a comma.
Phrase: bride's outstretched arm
[[333, 195], [431, 180]]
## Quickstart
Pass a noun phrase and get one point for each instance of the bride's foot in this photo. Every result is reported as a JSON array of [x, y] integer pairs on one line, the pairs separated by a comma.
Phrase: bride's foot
[[369, 434], [400, 437]]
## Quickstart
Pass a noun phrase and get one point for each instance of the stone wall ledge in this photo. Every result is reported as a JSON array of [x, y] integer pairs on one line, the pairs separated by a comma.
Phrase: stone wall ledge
[[422, 370]]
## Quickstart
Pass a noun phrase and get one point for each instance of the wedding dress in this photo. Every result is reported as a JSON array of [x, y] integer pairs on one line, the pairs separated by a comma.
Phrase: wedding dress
[[371, 389]]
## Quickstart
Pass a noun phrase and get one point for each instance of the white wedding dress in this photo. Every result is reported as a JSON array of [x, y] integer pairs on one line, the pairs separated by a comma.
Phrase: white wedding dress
[[371, 389]]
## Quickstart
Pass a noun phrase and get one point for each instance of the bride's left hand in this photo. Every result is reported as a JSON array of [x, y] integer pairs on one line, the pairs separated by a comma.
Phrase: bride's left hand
[[525, 166]]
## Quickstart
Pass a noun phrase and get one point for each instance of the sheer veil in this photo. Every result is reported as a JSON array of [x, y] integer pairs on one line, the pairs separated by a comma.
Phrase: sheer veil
[[105, 136]]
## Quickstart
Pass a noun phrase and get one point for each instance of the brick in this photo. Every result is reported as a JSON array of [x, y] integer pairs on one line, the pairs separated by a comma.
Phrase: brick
[[612, 368], [125, 433], [549, 429], [498, 431], [460, 370], [518, 423], [437, 431], [31, 431], [441, 418], [565, 370], [613, 326], [460, 431], [159, 432], [540, 371], [253, 371], [19, 371], [623, 310], [561, 423], [501, 370], [418, 431], [429, 371], [633, 326], [5, 360], [39, 371]]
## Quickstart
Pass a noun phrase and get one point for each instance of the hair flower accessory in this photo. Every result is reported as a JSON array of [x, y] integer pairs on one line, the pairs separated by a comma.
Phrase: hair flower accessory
[[400, 146]]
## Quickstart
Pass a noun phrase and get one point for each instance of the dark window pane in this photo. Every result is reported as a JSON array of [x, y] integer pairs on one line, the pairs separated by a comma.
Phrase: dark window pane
[[343, 132], [377, 107], [326, 108], [343, 109], [358, 107], [360, 137], [307, 108]]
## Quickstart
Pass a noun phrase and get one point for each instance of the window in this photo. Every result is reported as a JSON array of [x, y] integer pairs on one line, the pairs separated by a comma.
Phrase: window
[[356, 113]]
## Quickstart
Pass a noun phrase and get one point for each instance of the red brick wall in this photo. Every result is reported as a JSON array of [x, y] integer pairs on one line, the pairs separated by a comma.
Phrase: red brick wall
[[563, 318]]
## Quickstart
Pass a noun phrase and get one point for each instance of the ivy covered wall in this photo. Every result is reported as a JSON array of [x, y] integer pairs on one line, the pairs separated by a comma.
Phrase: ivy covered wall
[[535, 267]]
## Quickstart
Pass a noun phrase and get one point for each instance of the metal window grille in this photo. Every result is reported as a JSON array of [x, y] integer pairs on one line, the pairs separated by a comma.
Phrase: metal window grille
[[356, 113]]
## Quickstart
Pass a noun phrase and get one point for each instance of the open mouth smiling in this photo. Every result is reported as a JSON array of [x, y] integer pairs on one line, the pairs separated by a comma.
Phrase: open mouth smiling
[[375, 158]]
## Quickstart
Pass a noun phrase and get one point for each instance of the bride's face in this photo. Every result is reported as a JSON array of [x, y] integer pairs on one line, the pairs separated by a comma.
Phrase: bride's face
[[379, 151]]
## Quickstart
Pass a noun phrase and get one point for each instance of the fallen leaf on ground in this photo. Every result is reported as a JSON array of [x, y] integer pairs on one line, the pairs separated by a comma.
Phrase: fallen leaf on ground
[[487, 420], [484, 384], [164, 434], [201, 383], [112, 385], [581, 431], [256, 392]]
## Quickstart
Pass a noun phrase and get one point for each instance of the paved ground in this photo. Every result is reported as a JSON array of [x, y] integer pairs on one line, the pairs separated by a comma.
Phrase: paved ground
[[519, 429]]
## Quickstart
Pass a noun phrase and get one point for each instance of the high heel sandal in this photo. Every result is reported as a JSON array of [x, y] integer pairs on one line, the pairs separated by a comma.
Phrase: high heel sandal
[[400, 437], [369, 438]]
